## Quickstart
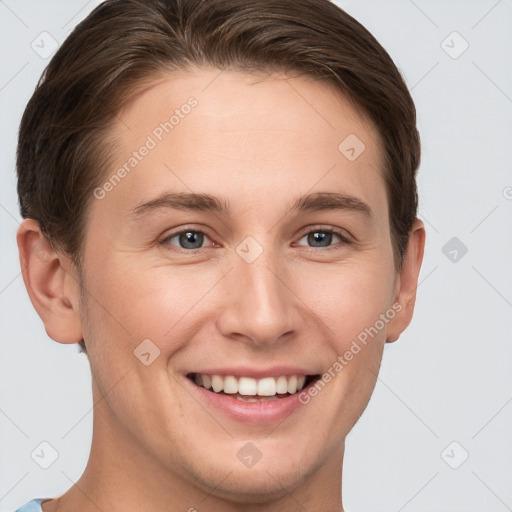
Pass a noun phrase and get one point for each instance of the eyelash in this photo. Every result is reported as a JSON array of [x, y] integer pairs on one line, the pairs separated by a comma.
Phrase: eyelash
[[343, 238]]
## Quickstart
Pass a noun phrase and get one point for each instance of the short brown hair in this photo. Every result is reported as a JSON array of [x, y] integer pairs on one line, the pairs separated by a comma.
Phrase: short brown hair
[[62, 155]]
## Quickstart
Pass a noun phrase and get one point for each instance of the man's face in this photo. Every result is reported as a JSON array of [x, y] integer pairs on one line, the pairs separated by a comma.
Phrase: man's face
[[258, 289]]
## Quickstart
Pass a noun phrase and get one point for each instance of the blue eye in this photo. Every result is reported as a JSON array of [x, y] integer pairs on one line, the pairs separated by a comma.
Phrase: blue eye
[[319, 238], [189, 239]]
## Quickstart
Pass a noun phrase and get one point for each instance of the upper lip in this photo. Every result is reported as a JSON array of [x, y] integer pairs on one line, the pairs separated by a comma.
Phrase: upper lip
[[256, 373]]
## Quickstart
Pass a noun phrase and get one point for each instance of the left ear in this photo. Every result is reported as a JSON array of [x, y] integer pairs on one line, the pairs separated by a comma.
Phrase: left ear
[[407, 282]]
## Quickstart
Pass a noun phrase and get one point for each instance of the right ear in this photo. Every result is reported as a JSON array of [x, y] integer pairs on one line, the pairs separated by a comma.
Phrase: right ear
[[52, 284]]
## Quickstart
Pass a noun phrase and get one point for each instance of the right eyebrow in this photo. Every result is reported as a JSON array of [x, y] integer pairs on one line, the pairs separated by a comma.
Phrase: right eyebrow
[[182, 201]]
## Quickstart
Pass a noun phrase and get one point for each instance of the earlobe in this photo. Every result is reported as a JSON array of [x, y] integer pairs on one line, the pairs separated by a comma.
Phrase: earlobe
[[51, 286], [407, 281]]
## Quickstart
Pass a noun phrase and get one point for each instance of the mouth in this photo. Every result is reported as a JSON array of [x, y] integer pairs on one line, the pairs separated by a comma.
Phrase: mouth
[[248, 389]]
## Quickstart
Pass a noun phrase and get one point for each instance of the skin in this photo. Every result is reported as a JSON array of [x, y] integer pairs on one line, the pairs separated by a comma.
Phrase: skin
[[258, 142]]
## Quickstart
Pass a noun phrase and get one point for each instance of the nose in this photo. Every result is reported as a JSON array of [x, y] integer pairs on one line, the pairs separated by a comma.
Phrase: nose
[[258, 304]]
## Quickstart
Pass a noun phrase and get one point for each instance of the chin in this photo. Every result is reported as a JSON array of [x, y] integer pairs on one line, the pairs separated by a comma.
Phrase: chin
[[258, 488], [259, 484]]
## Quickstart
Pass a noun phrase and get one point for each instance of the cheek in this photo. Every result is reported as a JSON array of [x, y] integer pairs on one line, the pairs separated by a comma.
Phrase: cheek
[[135, 300], [348, 298], [127, 297]]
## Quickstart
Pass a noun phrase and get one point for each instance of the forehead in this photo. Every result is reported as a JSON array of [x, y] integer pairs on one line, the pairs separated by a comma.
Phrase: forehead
[[240, 135]]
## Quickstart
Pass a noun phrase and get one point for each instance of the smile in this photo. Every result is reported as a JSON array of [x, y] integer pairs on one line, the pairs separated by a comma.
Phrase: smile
[[248, 389]]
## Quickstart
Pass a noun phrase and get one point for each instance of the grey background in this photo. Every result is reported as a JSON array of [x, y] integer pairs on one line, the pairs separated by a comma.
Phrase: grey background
[[449, 376]]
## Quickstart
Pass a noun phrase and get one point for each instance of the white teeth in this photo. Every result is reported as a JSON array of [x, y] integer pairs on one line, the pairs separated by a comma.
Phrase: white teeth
[[267, 386], [282, 385], [230, 385], [217, 383], [292, 384], [207, 381], [249, 387]]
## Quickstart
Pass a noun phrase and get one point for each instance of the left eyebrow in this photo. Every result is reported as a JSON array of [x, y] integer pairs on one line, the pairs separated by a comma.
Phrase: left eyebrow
[[332, 201]]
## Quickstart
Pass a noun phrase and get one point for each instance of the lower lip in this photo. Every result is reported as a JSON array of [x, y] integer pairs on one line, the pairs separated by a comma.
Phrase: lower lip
[[256, 412]]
